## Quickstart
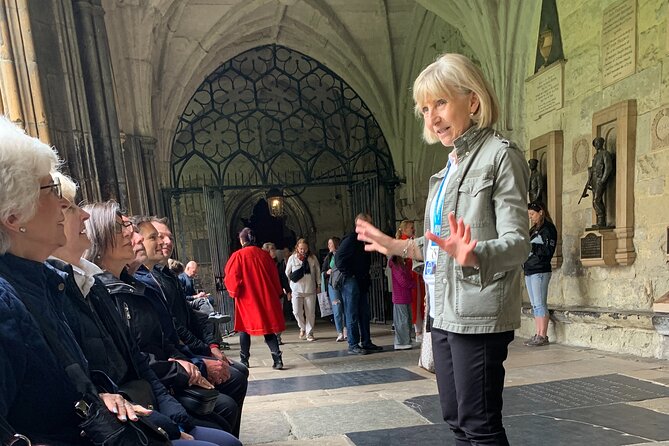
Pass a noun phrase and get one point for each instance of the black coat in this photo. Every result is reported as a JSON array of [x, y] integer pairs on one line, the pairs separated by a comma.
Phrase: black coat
[[109, 348], [353, 261], [191, 331], [144, 325], [543, 240]]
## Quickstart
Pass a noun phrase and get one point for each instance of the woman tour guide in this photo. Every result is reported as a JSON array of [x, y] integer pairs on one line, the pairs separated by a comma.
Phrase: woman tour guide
[[474, 246]]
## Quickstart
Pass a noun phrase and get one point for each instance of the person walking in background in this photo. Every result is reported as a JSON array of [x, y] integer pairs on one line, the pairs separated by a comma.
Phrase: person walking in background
[[407, 231], [333, 293], [472, 273], [251, 279], [285, 284], [304, 273], [403, 285], [354, 264], [537, 267]]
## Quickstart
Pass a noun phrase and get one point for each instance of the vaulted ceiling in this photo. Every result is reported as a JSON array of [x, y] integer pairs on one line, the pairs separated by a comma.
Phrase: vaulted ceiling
[[163, 49]]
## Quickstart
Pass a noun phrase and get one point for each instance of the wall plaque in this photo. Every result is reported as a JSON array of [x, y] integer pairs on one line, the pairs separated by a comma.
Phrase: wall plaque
[[659, 130], [591, 246], [545, 90], [598, 248], [618, 41], [580, 156]]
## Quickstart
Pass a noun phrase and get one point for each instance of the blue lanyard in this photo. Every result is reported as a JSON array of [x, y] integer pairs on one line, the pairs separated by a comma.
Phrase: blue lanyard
[[436, 226]]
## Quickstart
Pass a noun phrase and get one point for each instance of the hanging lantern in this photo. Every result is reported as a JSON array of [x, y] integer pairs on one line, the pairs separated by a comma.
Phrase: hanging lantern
[[275, 202]]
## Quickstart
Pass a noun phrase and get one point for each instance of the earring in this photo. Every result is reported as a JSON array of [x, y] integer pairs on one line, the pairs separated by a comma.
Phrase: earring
[[22, 230], [471, 115]]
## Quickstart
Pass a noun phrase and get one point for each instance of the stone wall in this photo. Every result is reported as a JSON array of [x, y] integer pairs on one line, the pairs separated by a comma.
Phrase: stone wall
[[606, 291]]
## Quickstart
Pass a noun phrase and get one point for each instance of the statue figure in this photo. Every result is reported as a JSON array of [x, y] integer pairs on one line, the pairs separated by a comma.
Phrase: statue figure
[[599, 174], [536, 188]]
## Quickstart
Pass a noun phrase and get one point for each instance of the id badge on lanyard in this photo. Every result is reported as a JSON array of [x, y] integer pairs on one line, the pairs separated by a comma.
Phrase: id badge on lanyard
[[432, 248]]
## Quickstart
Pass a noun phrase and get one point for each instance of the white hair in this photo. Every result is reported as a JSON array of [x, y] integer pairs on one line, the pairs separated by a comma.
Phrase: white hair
[[23, 161], [67, 185]]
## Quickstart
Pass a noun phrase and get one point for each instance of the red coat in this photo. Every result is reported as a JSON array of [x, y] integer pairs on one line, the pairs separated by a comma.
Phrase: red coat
[[252, 280]]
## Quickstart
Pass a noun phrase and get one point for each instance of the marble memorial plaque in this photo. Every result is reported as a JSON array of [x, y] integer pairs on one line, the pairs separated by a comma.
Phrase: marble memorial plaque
[[618, 41], [545, 90], [591, 246]]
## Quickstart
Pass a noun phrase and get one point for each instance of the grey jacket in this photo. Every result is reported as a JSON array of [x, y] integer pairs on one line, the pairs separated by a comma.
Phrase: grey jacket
[[489, 191]]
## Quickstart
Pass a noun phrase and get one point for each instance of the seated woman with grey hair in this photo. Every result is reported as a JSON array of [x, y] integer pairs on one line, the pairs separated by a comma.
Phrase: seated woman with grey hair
[[37, 395]]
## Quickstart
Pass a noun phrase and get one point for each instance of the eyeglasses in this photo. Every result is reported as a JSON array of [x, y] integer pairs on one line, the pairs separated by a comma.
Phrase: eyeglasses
[[120, 227], [55, 188]]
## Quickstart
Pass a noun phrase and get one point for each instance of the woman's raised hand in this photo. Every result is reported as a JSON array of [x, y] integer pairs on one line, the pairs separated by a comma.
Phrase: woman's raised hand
[[459, 244], [377, 240]]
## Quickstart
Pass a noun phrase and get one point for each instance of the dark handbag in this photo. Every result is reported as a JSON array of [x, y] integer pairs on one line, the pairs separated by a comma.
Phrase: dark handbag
[[197, 400], [336, 278], [102, 428], [9, 437], [297, 274], [138, 391]]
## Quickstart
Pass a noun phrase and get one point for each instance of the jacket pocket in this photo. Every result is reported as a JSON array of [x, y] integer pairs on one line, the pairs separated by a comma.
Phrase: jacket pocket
[[475, 197], [473, 302]]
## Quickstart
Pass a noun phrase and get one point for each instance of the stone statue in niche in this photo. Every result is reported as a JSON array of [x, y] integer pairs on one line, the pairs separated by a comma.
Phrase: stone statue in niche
[[536, 188], [599, 174]]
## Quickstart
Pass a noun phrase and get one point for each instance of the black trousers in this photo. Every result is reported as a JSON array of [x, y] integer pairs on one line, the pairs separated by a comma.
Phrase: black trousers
[[470, 379], [245, 344]]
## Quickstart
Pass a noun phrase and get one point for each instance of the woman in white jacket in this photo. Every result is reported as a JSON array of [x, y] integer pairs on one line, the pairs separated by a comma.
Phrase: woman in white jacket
[[305, 274]]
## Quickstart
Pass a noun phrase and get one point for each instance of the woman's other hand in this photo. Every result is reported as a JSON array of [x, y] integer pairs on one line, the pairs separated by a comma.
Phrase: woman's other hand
[[459, 244], [185, 436], [119, 406]]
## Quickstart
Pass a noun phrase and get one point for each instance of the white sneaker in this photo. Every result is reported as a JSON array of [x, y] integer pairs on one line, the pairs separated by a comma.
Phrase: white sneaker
[[419, 338], [310, 337], [403, 347], [340, 337], [301, 336]]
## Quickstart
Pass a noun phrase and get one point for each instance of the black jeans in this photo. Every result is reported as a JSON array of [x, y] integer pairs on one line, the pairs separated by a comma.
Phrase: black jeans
[[245, 344], [470, 379]]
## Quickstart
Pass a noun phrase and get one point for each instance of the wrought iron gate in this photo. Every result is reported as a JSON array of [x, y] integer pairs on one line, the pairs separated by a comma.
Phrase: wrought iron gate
[[365, 197]]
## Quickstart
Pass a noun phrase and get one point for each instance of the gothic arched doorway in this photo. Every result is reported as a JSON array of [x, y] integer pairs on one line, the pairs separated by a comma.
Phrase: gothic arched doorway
[[273, 117]]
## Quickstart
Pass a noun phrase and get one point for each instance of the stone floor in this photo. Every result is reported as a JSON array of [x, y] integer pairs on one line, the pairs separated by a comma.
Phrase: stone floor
[[555, 395]]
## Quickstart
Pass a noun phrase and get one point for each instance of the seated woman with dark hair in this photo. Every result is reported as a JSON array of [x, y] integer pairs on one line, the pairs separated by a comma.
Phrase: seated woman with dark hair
[[37, 395], [104, 337]]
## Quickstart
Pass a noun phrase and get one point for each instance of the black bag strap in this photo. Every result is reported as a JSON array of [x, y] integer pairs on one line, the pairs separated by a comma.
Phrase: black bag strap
[[9, 437]]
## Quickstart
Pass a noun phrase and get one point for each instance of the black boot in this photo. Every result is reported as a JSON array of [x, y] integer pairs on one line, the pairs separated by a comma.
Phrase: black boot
[[278, 362], [244, 359]]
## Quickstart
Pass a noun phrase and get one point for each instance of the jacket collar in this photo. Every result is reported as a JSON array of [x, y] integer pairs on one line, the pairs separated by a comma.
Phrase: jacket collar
[[125, 285]]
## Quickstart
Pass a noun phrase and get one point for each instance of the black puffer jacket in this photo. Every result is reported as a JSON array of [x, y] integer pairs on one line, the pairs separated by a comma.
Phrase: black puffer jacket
[[543, 240], [108, 347]]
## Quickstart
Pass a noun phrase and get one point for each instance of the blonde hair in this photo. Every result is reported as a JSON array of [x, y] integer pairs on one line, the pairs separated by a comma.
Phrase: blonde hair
[[403, 225], [450, 75]]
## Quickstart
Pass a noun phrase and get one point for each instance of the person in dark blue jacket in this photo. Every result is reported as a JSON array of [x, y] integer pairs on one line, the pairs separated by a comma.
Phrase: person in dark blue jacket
[[537, 267], [37, 397]]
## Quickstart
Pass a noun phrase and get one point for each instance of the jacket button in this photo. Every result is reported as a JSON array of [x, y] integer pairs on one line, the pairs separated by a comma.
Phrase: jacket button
[[444, 280], [61, 286]]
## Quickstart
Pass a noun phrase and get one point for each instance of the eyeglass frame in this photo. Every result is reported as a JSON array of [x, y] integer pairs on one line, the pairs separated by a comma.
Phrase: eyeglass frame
[[123, 225], [54, 186]]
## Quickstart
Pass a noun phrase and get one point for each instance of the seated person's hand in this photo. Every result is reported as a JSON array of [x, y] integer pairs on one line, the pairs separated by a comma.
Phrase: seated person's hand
[[217, 371], [118, 405]]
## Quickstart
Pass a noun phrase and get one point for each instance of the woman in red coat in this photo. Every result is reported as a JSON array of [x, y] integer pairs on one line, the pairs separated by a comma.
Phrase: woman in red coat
[[251, 279]]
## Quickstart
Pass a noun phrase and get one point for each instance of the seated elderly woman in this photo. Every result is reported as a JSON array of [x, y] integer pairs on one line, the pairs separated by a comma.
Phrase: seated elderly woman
[[104, 337], [37, 397]]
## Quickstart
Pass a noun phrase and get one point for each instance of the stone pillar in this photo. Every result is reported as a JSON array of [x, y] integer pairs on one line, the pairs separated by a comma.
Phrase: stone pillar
[[20, 84], [96, 68], [140, 175]]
